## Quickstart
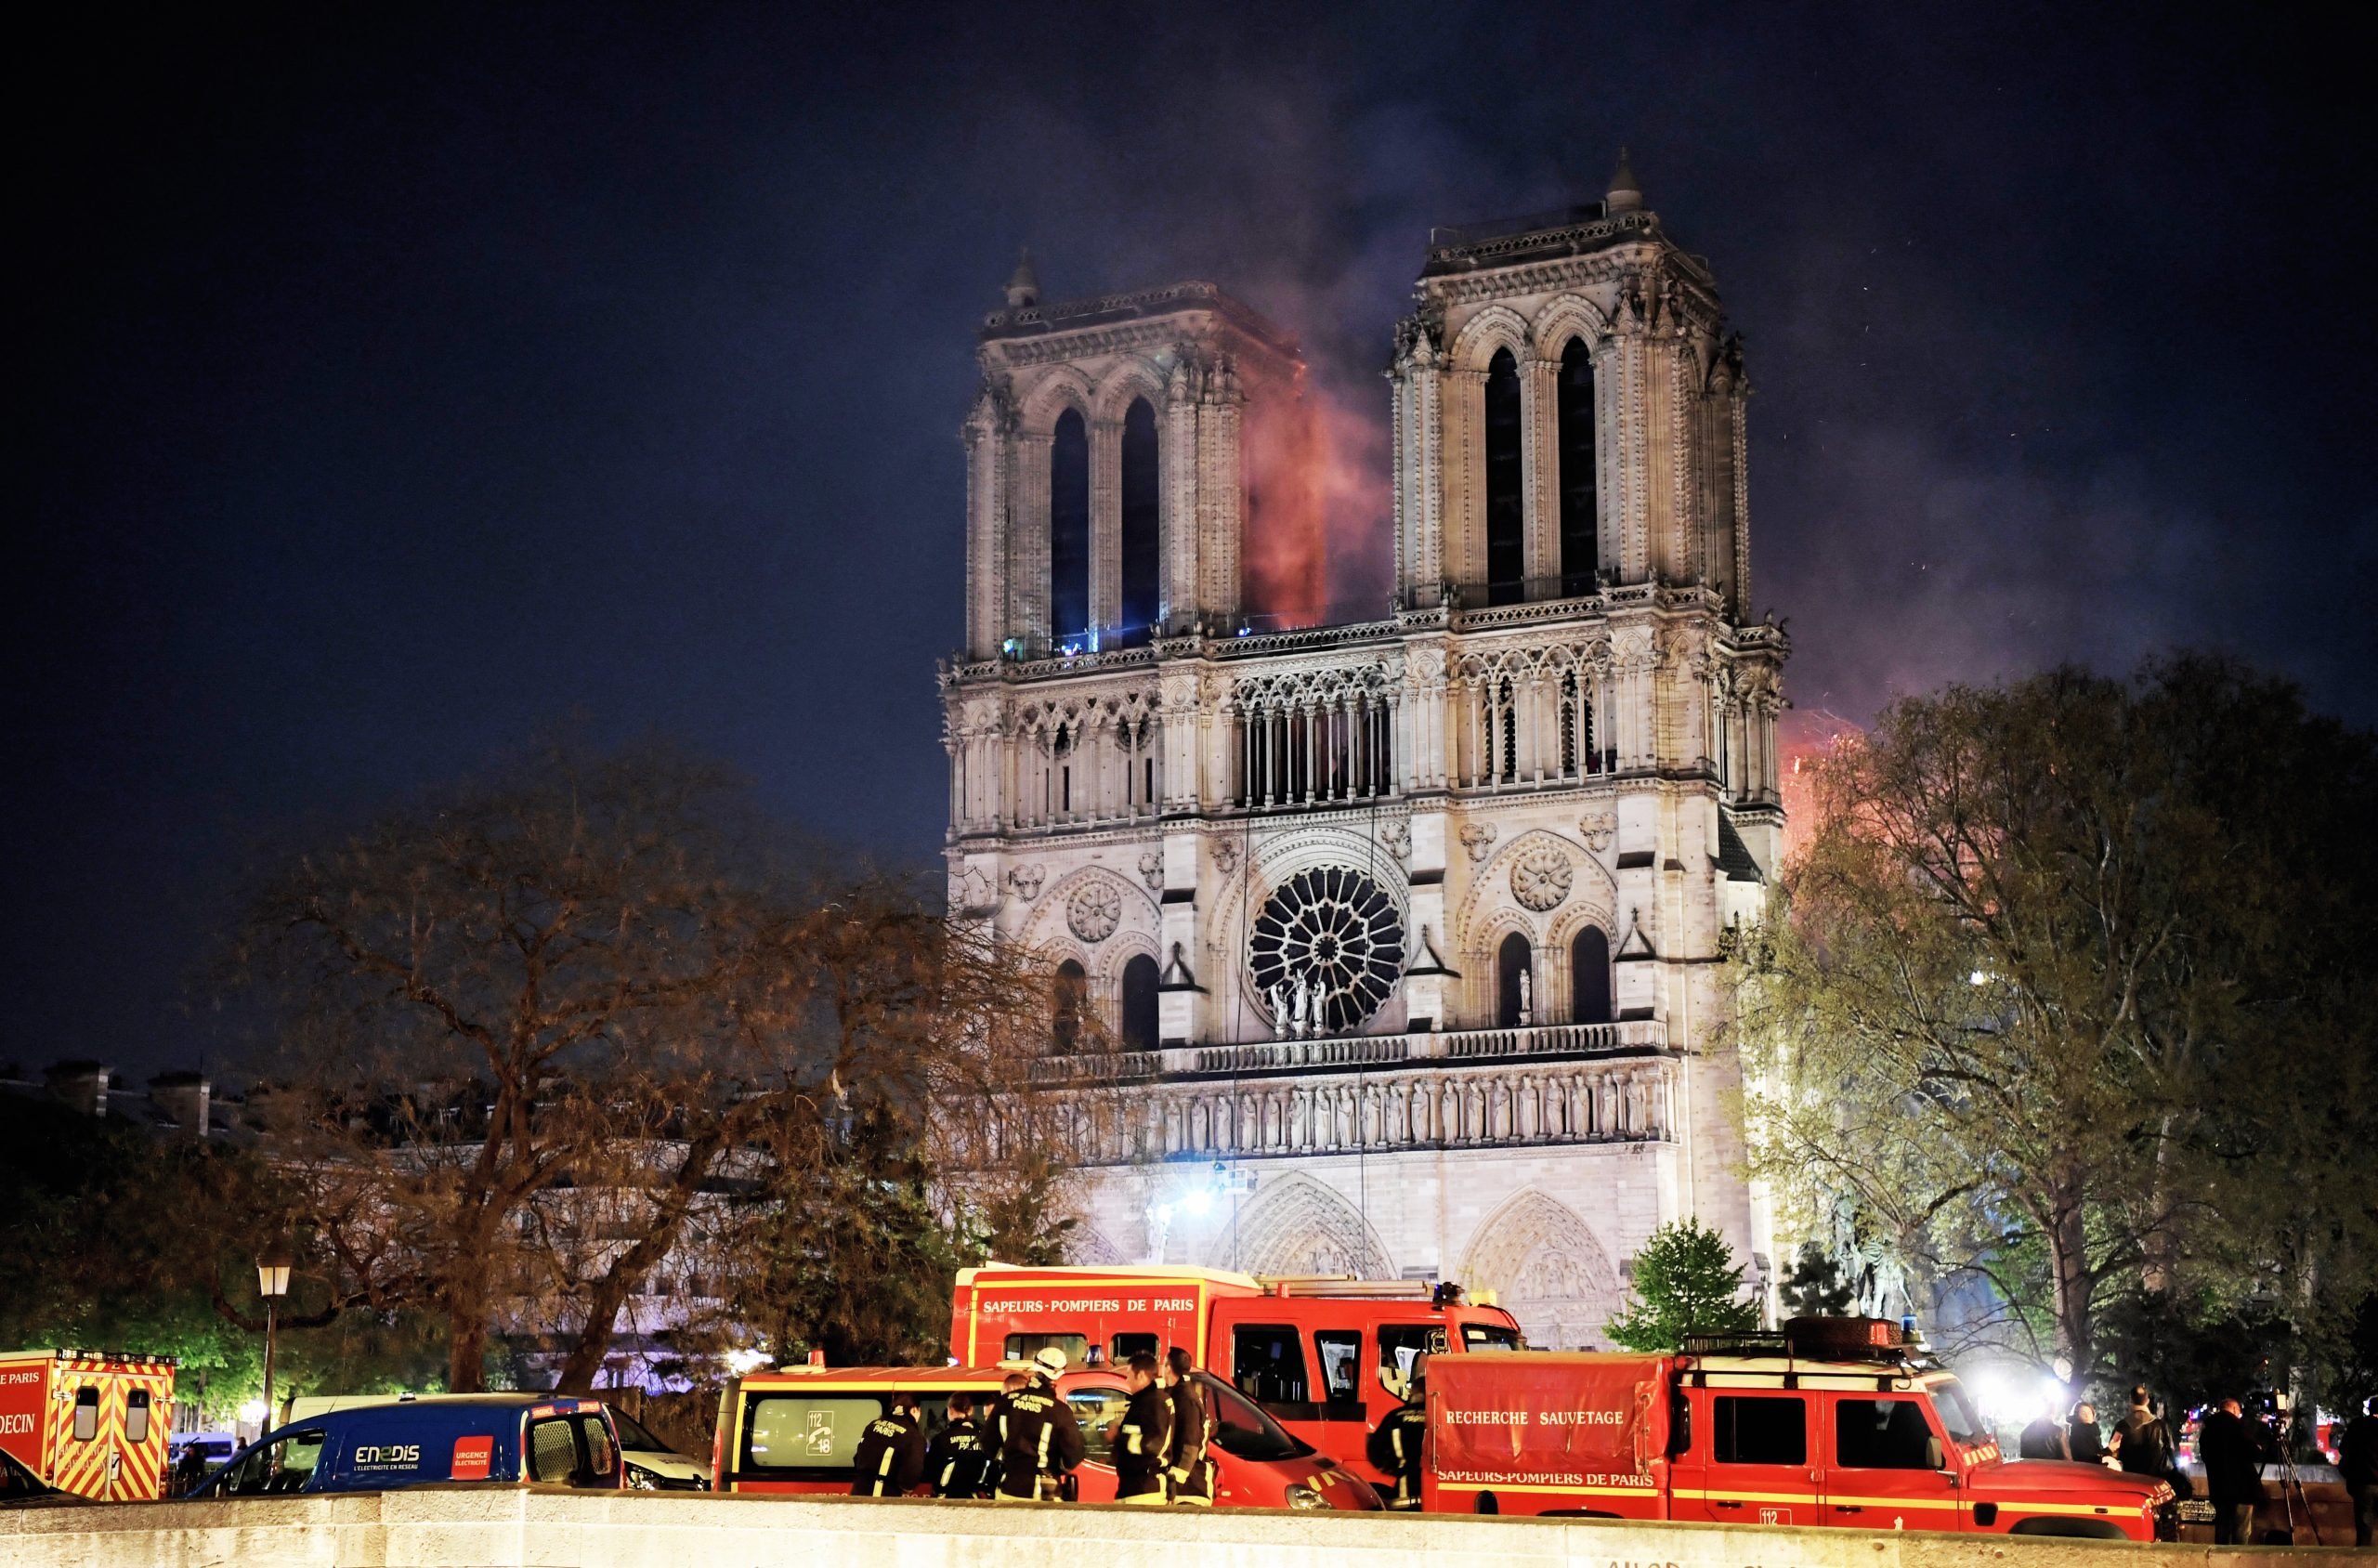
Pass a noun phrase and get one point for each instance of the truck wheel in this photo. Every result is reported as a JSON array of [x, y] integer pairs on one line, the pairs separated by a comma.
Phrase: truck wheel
[[2092, 1529], [1486, 1503]]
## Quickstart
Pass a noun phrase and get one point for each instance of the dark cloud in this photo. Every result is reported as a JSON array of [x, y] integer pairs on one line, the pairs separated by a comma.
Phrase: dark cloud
[[399, 382]]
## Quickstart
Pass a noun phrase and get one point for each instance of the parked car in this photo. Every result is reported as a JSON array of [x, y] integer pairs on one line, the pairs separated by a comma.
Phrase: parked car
[[498, 1438]]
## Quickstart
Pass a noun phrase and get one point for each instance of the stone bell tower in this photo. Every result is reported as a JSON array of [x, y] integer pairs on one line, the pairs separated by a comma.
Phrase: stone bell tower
[[1118, 454]]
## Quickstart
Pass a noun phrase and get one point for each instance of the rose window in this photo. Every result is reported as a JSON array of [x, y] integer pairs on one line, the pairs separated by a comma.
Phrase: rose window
[[1333, 930]]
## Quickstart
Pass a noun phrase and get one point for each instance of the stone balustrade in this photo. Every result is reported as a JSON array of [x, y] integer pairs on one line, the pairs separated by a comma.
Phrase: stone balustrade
[[1627, 1099], [1349, 1050]]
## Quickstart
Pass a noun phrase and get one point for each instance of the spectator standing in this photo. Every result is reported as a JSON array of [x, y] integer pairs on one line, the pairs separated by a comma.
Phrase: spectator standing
[[2083, 1439], [2043, 1439], [2231, 1448], [2358, 1463], [2143, 1443]]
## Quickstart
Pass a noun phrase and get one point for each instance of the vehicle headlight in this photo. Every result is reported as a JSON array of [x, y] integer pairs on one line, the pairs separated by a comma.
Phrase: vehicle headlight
[[643, 1479], [1303, 1497]]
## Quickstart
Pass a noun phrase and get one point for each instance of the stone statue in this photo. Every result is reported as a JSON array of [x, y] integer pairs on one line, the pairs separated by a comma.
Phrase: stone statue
[[1282, 1023], [1527, 1004]]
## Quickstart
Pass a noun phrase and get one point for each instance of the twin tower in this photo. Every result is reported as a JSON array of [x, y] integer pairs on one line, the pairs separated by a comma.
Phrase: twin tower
[[1405, 921]]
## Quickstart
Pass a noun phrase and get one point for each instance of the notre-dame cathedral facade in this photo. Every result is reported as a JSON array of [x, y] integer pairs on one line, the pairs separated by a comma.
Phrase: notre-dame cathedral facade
[[1386, 947]]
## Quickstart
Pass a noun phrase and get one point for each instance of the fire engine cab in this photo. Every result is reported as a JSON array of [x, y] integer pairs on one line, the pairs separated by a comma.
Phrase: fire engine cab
[[1326, 1357], [91, 1422], [1831, 1421]]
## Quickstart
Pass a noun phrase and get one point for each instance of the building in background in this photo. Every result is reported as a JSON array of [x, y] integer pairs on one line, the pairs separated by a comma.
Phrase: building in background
[[1387, 948]]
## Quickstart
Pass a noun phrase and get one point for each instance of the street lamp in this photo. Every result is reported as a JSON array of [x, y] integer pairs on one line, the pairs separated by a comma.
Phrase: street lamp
[[272, 1283]]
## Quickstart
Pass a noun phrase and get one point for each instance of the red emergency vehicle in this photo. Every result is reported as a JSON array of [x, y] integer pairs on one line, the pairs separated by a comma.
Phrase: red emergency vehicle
[[1833, 1421], [795, 1430], [91, 1422], [1326, 1357]]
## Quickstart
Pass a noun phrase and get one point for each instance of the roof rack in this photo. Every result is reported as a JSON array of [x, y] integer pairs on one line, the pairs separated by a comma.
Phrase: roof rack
[[1874, 1339], [1344, 1286]]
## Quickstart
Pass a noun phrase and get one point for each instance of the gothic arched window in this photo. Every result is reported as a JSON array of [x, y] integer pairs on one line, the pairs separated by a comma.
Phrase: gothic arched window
[[1139, 512], [1505, 515], [1139, 1004], [1068, 1000], [1068, 528], [1590, 977], [1577, 437], [1513, 964]]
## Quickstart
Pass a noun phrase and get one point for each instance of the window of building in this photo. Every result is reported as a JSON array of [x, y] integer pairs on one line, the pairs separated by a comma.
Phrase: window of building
[[1070, 993], [1139, 544], [1139, 1003], [1511, 962], [1590, 977], [1769, 1430], [1069, 529], [1576, 439], [1506, 513], [1882, 1434]]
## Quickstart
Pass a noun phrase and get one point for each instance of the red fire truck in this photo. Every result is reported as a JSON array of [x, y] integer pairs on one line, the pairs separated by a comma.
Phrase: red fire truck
[[1326, 1357], [1831, 1421], [796, 1430], [89, 1422]]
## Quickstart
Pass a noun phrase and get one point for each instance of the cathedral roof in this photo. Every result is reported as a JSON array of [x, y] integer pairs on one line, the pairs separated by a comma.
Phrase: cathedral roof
[[1106, 311]]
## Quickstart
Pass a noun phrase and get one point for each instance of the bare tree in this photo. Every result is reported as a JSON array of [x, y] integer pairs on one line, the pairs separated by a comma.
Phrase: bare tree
[[525, 1030]]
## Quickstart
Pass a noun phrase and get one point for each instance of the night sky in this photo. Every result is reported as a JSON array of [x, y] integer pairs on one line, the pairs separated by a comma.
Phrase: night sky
[[396, 384]]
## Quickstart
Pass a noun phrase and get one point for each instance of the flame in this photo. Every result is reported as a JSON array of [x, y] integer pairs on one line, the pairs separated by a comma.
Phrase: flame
[[1317, 504]]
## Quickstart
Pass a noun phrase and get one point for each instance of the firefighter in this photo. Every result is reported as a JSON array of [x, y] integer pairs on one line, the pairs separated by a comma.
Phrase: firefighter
[[891, 1457], [1395, 1448], [993, 1408], [1143, 1437], [960, 1453], [1190, 1472], [1040, 1440]]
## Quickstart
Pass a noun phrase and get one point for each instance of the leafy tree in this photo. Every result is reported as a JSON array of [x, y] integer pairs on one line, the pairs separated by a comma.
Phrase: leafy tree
[[1686, 1281], [2061, 996], [124, 1240], [846, 1252], [1816, 1286]]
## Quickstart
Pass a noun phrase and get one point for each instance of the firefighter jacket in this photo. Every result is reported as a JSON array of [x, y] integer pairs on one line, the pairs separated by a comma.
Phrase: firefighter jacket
[[891, 1457], [1039, 1440], [1143, 1442], [1396, 1448], [958, 1460], [1192, 1427]]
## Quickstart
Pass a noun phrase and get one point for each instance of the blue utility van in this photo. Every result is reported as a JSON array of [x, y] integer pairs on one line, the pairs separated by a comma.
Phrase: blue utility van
[[498, 1438]]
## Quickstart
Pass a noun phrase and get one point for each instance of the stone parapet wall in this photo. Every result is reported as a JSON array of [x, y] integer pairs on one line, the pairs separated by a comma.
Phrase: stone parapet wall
[[451, 1527]]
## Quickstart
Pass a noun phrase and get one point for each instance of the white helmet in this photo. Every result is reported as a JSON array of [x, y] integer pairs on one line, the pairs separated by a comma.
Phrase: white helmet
[[1049, 1359]]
